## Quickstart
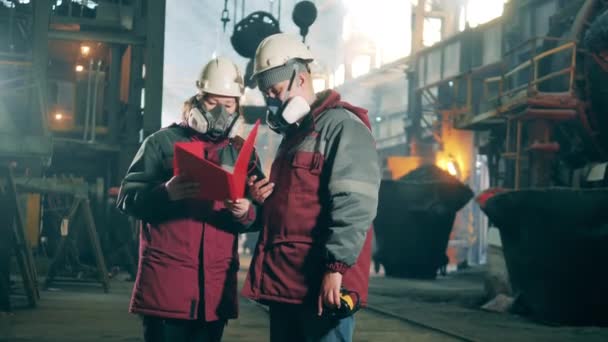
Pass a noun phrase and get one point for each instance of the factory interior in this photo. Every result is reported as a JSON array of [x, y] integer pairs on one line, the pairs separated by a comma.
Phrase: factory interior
[[492, 214]]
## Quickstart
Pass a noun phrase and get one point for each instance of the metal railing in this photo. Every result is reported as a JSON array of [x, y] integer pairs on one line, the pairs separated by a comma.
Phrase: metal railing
[[498, 90], [73, 8], [507, 84], [460, 95], [509, 89], [106, 12]]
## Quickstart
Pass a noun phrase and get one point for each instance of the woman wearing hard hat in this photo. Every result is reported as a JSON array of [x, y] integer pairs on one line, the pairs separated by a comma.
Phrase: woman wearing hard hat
[[187, 276]]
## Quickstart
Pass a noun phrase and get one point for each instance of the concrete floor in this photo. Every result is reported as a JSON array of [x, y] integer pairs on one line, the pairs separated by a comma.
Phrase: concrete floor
[[452, 304], [85, 313], [75, 314]]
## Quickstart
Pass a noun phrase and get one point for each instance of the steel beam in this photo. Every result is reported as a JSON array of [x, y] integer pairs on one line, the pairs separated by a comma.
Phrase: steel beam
[[26, 146], [114, 91], [103, 37], [130, 141], [155, 49], [135, 86], [52, 185], [40, 60]]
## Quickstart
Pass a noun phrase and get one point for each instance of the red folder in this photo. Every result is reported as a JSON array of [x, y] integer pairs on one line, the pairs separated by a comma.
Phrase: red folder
[[216, 183]]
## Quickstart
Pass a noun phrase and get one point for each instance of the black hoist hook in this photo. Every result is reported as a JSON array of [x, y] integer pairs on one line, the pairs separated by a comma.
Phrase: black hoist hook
[[304, 15]]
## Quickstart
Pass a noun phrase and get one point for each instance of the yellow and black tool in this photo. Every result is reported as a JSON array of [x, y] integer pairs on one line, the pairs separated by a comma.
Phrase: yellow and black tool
[[349, 304]]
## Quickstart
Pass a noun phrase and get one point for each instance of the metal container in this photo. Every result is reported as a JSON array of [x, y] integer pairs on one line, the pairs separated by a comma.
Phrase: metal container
[[413, 225], [555, 243]]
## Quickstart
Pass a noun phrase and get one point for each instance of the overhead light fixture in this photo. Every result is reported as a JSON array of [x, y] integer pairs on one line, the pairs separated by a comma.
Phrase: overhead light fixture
[[79, 68], [85, 50], [58, 116]]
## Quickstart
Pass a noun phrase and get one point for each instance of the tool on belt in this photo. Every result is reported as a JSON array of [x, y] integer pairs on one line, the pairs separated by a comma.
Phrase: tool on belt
[[349, 304]]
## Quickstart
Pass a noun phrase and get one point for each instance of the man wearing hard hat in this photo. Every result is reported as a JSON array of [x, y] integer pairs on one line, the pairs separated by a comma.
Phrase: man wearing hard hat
[[312, 262], [187, 277]]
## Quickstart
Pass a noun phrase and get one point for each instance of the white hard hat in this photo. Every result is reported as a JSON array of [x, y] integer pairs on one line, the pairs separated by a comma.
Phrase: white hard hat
[[221, 77], [277, 50]]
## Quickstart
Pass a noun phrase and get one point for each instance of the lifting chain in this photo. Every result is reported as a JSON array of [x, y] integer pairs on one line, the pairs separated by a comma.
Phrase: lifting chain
[[225, 15], [271, 11]]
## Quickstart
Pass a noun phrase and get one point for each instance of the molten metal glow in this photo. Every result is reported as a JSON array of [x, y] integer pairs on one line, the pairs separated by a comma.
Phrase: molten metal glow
[[452, 168]]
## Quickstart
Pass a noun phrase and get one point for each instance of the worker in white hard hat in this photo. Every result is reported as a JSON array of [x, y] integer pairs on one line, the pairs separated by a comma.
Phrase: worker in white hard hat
[[187, 277], [312, 261]]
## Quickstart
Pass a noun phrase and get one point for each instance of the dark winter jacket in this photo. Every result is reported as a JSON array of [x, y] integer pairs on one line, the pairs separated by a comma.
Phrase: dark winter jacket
[[188, 249], [319, 217]]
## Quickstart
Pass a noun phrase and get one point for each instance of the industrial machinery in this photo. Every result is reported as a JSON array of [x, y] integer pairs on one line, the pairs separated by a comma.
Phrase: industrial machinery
[[517, 103], [553, 241], [80, 86], [531, 93]]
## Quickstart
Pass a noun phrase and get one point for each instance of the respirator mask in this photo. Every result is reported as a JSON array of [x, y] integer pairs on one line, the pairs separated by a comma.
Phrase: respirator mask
[[216, 123], [282, 113]]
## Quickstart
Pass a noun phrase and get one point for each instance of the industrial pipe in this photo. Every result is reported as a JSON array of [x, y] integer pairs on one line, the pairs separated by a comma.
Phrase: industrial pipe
[[582, 20]]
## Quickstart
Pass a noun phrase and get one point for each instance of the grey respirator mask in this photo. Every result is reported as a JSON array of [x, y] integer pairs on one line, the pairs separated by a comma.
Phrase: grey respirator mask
[[216, 123]]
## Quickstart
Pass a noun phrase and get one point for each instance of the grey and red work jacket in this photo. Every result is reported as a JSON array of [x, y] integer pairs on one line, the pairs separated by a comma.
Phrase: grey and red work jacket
[[188, 260], [319, 217]]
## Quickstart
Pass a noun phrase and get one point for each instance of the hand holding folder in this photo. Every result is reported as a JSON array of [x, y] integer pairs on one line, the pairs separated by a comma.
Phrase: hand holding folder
[[216, 183]]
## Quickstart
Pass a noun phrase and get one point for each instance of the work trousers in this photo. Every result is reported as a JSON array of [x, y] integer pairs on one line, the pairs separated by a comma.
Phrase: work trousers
[[178, 330], [299, 323], [5, 285]]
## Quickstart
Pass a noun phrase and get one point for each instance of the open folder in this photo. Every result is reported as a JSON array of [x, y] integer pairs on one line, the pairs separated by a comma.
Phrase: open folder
[[216, 183]]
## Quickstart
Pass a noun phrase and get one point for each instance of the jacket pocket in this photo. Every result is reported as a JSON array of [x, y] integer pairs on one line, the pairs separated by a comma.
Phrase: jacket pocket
[[305, 172], [292, 269], [166, 284]]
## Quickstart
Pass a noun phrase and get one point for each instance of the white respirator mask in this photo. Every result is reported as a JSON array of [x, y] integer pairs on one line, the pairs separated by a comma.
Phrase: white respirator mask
[[281, 113]]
